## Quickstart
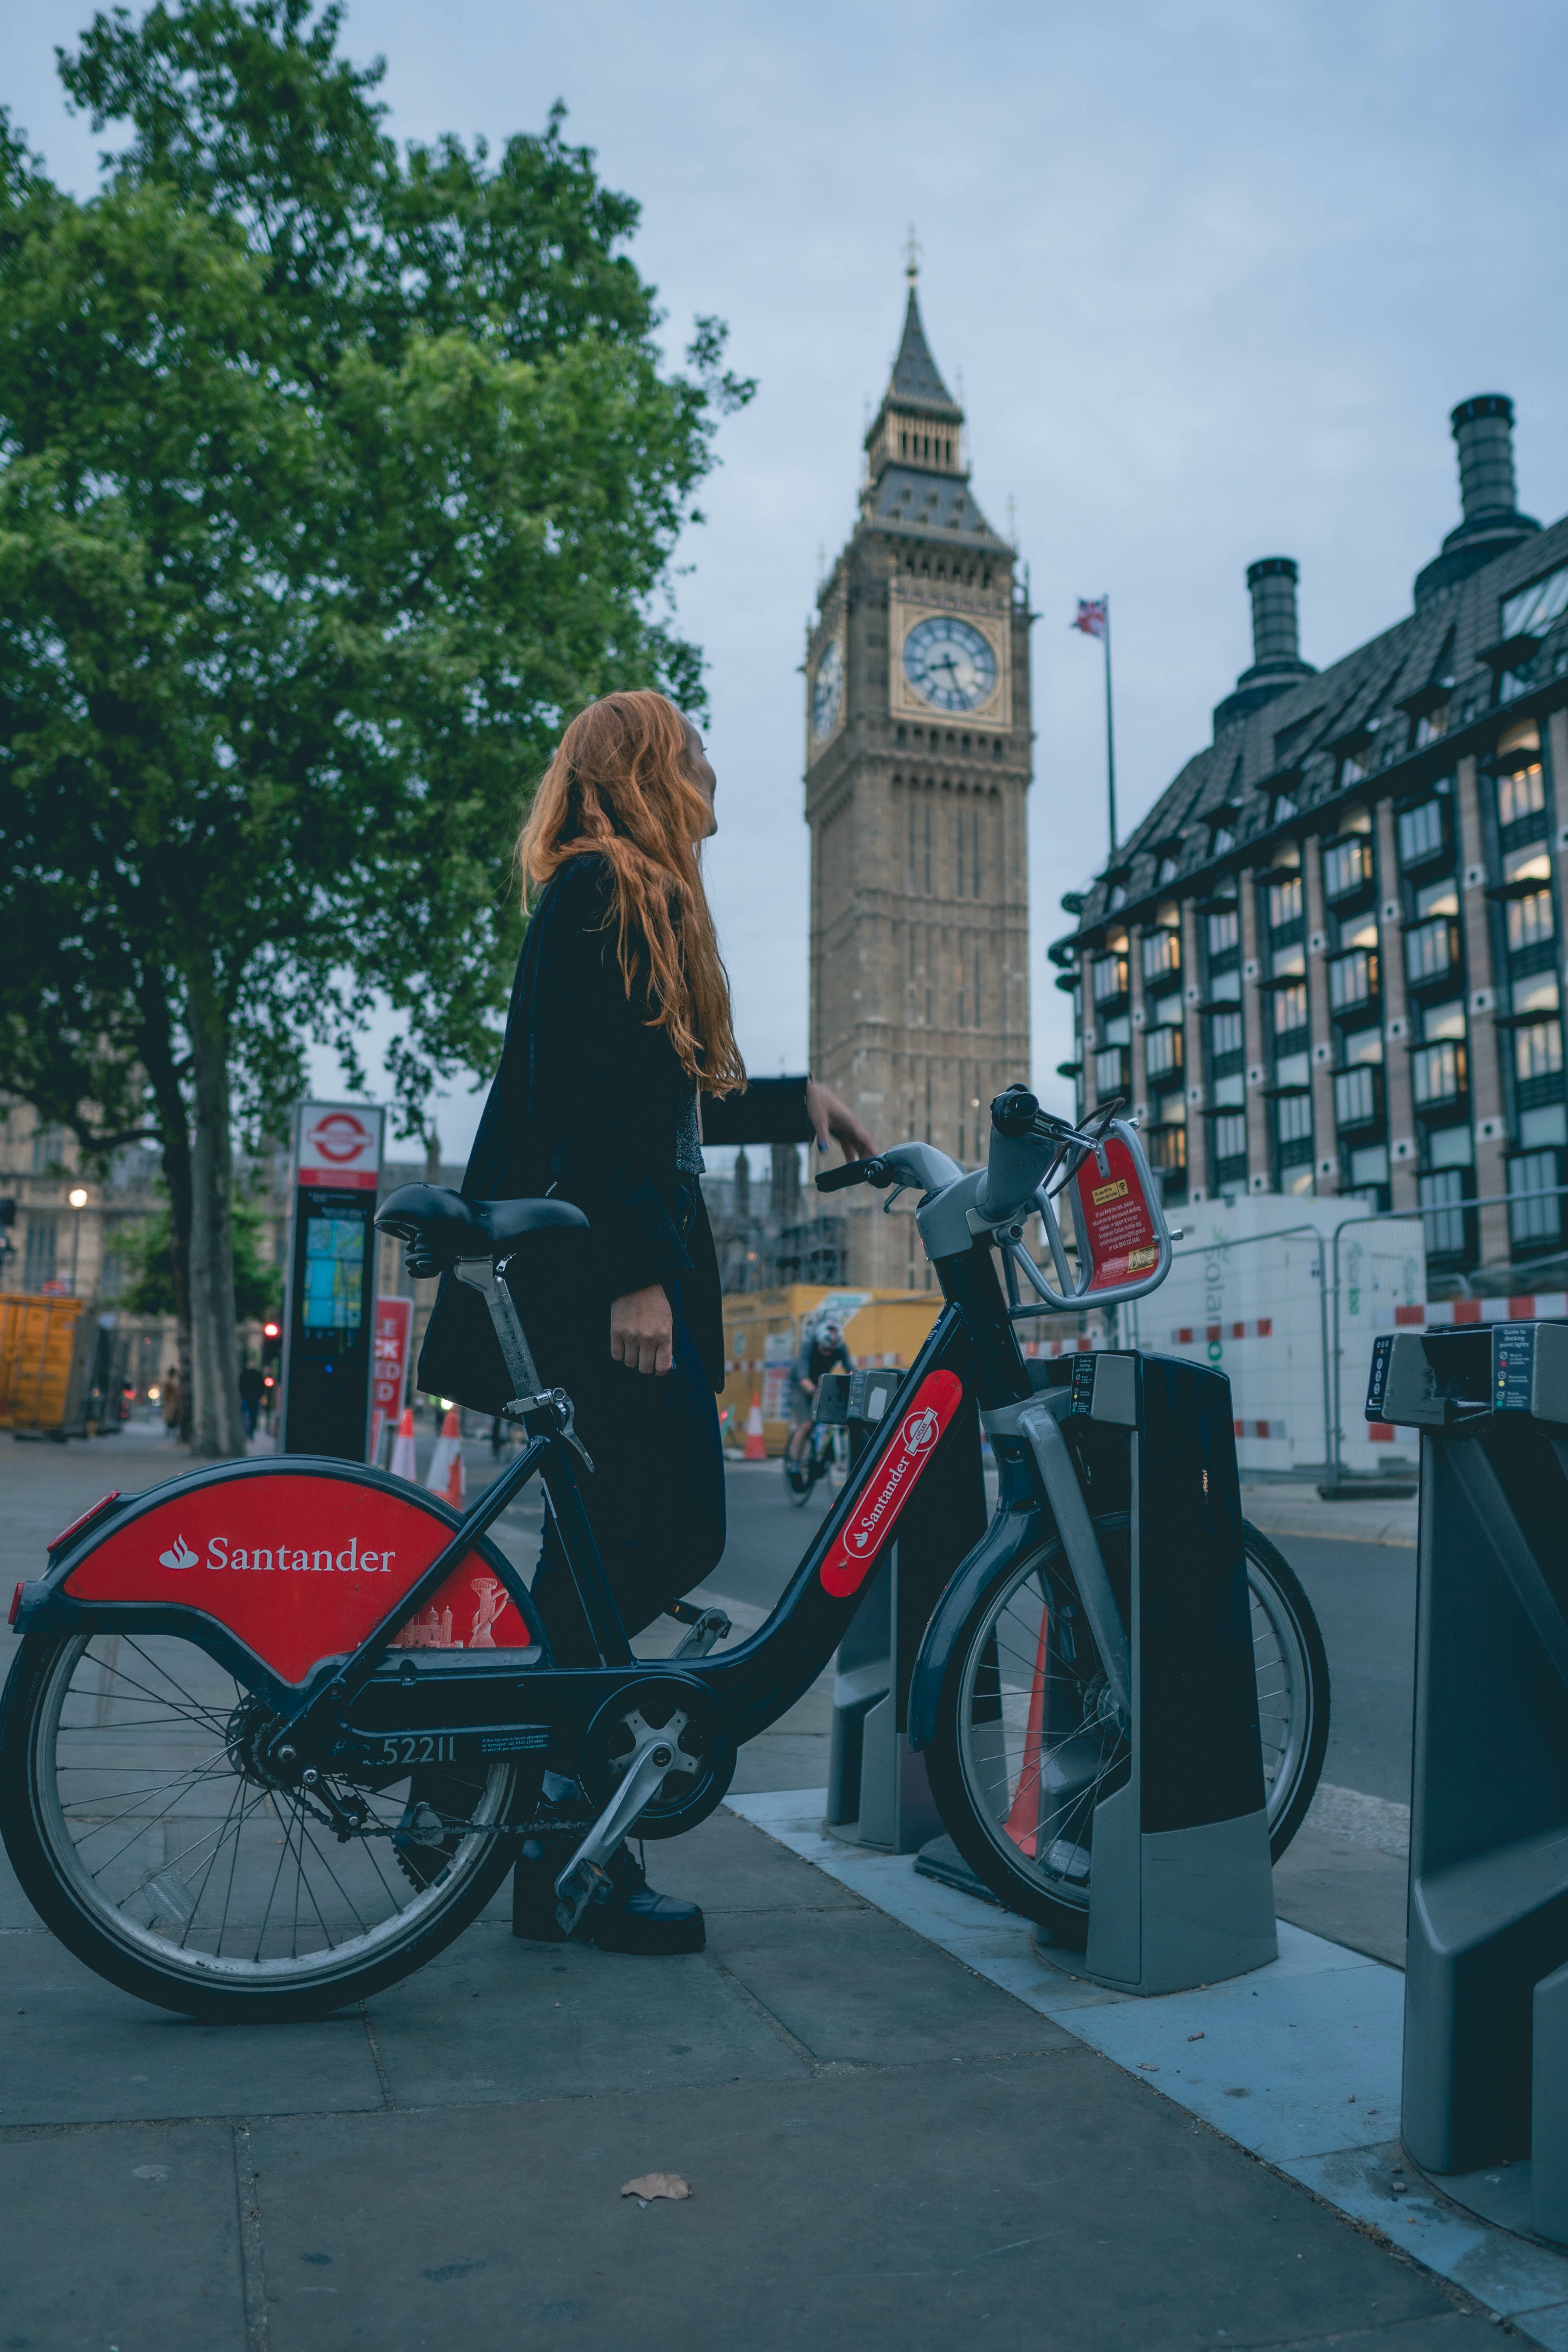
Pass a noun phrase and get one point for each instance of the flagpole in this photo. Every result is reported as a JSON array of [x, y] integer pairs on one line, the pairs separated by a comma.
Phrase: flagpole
[[1109, 732]]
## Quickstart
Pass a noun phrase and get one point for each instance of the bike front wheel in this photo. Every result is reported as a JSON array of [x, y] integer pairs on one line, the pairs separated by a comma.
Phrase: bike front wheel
[[1027, 1742], [146, 1832]]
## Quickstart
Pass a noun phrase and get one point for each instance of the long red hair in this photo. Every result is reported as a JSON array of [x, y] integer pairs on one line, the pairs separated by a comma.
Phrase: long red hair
[[617, 788]]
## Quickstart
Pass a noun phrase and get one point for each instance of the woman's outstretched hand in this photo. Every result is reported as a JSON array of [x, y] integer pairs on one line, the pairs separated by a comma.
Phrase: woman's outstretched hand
[[836, 1122], [642, 1330]]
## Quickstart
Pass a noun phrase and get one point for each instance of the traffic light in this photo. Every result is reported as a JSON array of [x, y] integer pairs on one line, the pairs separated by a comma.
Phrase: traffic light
[[7, 1219], [271, 1342]]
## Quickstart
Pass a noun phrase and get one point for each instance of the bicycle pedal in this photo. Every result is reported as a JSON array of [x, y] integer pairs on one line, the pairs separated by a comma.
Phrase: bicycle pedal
[[583, 1883], [708, 1628]]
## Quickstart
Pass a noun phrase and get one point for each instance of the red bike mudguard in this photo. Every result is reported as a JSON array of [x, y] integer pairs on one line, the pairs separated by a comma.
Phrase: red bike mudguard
[[300, 1564]]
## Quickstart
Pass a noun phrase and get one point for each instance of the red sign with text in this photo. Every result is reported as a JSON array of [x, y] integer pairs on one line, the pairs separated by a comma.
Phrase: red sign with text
[[301, 1568], [914, 1440], [1115, 1218]]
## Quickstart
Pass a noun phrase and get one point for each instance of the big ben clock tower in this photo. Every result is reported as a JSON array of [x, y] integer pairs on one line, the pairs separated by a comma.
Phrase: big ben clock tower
[[917, 767]]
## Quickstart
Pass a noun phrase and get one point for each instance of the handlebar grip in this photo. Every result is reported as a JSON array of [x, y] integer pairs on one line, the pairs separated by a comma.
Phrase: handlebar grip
[[853, 1171]]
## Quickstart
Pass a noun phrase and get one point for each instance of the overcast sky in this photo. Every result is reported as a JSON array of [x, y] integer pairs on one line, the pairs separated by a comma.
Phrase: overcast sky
[[1213, 271]]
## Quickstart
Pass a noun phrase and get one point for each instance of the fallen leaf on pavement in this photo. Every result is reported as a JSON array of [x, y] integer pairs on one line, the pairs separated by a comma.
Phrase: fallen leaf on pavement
[[658, 2184], [1194, 2037]]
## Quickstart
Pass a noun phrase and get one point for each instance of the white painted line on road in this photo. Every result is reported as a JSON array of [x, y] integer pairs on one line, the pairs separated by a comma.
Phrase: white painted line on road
[[1298, 2063], [1361, 1820]]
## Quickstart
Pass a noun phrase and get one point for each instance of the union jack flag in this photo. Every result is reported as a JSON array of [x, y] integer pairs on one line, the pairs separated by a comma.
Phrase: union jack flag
[[1092, 618]]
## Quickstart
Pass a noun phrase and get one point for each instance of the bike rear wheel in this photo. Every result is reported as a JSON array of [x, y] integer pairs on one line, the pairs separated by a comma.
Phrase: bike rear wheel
[[148, 1835], [1027, 1742]]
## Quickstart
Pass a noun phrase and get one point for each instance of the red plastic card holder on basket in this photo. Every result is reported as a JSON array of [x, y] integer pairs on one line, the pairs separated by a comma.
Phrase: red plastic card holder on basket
[[1117, 1219], [1123, 1244]]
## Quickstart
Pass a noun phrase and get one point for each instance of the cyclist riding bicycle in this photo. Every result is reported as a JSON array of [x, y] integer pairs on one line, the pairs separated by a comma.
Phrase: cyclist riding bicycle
[[822, 1350]]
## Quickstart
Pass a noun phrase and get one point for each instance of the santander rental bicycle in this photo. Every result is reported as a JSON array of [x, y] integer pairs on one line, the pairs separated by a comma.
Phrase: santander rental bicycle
[[275, 1728]]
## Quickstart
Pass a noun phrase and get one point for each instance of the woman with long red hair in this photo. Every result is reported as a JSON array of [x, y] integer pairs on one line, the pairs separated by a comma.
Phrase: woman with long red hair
[[619, 1060]]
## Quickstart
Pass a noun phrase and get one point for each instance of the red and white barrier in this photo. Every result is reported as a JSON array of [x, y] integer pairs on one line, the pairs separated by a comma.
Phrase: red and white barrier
[[1535, 1306]]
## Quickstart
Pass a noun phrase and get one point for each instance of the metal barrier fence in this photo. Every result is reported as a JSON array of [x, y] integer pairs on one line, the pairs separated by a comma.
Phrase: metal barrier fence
[[1299, 1395]]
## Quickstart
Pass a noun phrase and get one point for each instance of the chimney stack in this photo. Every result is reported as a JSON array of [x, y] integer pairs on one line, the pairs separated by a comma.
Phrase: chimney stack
[[1275, 636], [1483, 430], [1275, 641]]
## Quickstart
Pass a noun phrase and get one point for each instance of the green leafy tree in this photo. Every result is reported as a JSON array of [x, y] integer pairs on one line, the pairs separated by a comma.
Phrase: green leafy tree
[[151, 1289], [332, 479]]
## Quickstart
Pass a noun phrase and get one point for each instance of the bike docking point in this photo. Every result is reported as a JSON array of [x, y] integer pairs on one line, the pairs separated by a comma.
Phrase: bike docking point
[[1181, 1888], [1484, 2111]]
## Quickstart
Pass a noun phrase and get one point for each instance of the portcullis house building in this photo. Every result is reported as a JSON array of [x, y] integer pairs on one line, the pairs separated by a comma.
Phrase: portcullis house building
[[1331, 959]]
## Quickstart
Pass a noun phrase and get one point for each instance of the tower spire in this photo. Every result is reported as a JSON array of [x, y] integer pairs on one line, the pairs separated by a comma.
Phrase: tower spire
[[913, 257]]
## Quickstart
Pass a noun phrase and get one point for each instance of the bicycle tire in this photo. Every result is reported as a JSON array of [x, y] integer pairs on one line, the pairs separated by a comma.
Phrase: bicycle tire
[[998, 1854], [447, 1891]]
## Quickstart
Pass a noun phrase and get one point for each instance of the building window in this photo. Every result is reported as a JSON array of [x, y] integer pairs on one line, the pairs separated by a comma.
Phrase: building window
[[1536, 607], [1289, 1008], [1431, 727], [1530, 920], [48, 1149], [1162, 1052], [1421, 833], [1437, 1073], [1352, 980], [1535, 1207], [1521, 795], [1220, 840], [39, 1263], [1230, 1139], [1347, 868], [1108, 978], [1294, 1115], [1285, 902], [1161, 953], [1355, 1096], [1168, 869], [1432, 949], [1537, 1050], [1224, 931], [1440, 1194], [1284, 808], [1110, 1072], [1224, 1035]]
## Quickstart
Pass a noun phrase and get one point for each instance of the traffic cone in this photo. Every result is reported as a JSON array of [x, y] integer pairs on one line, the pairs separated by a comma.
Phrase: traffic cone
[[756, 1443], [1023, 1822], [445, 1478], [403, 1449]]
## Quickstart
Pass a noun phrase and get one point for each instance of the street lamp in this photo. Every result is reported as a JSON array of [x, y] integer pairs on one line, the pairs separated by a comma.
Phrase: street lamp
[[77, 1196]]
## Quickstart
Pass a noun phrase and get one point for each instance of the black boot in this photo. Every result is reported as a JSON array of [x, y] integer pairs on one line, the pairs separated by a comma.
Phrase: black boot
[[635, 1919]]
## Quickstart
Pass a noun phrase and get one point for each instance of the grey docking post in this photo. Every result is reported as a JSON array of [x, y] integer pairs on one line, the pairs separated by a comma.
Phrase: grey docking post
[[1485, 1985]]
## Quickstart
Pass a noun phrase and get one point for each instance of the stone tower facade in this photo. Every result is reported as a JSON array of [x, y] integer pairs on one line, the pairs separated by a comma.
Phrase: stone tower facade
[[917, 762]]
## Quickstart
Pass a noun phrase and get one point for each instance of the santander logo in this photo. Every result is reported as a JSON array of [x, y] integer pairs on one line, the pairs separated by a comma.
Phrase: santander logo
[[850, 1559], [286, 1559]]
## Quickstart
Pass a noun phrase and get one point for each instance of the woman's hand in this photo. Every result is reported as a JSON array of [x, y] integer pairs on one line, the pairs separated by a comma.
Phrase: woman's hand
[[833, 1120], [642, 1330]]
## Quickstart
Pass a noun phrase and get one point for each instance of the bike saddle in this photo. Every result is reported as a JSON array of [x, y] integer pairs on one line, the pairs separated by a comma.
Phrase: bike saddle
[[439, 1226]]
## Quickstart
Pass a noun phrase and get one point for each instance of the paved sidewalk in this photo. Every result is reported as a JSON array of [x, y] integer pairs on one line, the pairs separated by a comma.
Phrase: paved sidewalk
[[886, 2145]]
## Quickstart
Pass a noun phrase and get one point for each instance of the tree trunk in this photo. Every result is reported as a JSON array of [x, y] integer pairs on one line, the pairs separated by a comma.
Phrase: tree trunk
[[216, 1428], [174, 1129]]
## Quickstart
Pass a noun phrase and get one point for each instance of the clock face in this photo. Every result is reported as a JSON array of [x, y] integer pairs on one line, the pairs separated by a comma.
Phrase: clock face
[[827, 689], [949, 665]]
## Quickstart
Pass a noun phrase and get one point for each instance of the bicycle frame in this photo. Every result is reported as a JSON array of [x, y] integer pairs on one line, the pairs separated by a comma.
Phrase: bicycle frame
[[359, 1709], [480, 1702]]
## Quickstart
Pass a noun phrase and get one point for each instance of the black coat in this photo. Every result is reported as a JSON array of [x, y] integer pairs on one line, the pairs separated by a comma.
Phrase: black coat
[[585, 1105]]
